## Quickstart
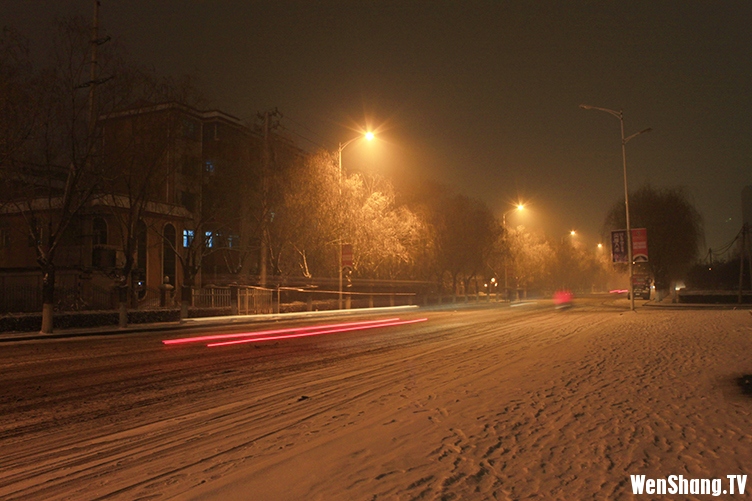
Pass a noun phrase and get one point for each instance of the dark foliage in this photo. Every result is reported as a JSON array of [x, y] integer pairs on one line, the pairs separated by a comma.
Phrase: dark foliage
[[722, 275], [674, 227]]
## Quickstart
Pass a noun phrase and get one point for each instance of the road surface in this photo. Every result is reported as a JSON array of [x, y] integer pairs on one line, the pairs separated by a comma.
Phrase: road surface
[[486, 402]]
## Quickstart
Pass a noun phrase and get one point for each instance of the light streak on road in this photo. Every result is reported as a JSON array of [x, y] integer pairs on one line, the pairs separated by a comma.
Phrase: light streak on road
[[523, 303], [215, 337], [318, 332]]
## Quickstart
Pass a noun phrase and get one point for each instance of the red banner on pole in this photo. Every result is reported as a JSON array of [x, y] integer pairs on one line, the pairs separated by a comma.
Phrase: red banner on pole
[[639, 245]]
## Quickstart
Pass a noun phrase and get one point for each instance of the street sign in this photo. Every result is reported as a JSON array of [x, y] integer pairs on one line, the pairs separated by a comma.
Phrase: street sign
[[347, 255], [619, 252]]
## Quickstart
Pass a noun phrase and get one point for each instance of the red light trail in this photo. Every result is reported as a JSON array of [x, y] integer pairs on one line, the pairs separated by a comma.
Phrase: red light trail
[[293, 331], [319, 332]]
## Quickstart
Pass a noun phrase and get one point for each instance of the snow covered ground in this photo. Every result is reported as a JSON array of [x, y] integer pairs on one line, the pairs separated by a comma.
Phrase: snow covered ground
[[476, 404]]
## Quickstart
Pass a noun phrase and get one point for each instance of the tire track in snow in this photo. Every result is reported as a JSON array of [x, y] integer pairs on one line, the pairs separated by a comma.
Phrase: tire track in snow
[[117, 448]]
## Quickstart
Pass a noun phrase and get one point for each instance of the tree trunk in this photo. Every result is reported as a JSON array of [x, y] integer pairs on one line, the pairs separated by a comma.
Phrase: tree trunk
[[48, 298], [123, 306], [185, 300], [186, 289]]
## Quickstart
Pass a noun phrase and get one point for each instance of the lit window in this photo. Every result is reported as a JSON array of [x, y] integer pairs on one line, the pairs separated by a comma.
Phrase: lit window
[[209, 166], [187, 238], [209, 239]]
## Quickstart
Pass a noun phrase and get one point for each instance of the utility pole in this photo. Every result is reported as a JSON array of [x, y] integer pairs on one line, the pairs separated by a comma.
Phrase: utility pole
[[742, 250], [95, 42], [264, 216], [749, 252], [93, 68], [265, 169]]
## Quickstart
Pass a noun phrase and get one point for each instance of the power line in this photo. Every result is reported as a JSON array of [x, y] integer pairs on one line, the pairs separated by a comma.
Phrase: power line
[[291, 131], [318, 140], [306, 128], [717, 253]]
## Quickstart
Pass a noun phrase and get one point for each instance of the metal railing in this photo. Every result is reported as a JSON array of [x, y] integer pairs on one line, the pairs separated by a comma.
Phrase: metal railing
[[21, 298], [211, 297], [253, 301]]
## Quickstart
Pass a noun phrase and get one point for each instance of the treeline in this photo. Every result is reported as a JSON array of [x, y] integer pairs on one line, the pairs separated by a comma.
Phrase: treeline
[[54, 164], [425, 232]]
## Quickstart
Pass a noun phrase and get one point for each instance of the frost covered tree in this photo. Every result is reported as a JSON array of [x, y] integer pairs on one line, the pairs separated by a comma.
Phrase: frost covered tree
[[307, 221], [385, 236], [531, 258]]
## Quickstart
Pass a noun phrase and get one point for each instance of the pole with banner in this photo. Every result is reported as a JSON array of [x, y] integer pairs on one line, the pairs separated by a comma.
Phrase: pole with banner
[[620, 250]]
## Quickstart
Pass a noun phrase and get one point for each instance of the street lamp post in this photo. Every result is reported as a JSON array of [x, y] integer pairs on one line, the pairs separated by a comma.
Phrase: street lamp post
[[504, 225], [369, 137], [624, 140]]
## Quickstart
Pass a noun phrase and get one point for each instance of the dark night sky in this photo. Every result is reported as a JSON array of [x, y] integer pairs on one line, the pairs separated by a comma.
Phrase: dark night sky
[[483, 95]]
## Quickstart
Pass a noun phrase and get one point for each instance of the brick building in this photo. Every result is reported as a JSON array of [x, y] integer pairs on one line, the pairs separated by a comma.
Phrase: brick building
[[179, 187]]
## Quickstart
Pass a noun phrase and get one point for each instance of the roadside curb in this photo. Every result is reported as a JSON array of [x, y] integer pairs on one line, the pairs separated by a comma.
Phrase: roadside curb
[[696, 306], [195, 323]]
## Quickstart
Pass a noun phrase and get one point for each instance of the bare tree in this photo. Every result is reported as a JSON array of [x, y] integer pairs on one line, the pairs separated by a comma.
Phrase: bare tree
[[18, 113], [210, 225], [138, 144], [55, 175]]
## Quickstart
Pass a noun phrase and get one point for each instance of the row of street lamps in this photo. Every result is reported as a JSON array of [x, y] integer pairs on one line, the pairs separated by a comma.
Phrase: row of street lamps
[[368, 136], [624, 140]]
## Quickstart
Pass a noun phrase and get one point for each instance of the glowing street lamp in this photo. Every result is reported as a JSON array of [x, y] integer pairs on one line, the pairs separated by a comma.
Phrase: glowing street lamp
[[624, 140], [519, 207], [368, 137]]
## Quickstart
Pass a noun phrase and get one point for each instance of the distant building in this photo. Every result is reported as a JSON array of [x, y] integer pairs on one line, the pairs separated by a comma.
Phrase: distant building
[[171, 174]]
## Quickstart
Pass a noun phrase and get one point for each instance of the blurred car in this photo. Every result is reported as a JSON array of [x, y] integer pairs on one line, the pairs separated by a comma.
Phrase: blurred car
[[562, 299]]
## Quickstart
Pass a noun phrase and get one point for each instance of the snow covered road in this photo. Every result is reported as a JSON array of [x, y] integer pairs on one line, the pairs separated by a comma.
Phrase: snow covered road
[[481, 403]]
